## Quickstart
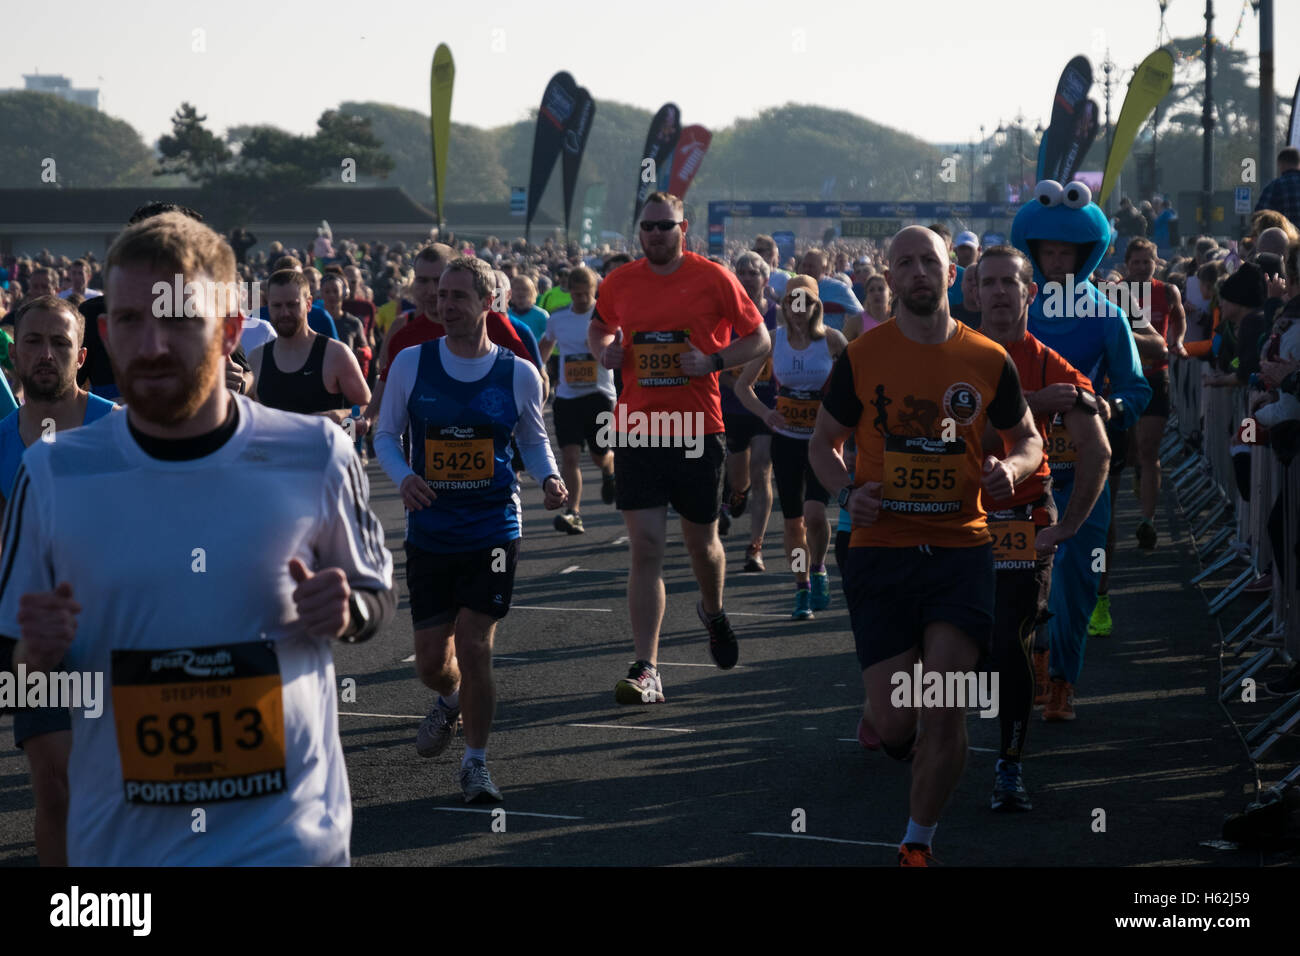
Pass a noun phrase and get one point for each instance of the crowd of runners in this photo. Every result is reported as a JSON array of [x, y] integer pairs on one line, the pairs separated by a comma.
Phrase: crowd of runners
[[961, 421]]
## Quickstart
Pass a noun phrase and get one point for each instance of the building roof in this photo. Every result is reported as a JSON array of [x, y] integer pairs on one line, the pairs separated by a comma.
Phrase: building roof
[[339, 205]]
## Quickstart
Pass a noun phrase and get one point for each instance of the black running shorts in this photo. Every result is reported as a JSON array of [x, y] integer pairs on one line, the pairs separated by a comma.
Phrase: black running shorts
[[441, 584], [657, 477], [894, 593], [741, 430], [577, 419]]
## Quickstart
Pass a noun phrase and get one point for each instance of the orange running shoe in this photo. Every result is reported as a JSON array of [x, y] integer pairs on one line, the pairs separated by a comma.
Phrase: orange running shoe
[[1041, 678], [1060, 706], [915, 854]]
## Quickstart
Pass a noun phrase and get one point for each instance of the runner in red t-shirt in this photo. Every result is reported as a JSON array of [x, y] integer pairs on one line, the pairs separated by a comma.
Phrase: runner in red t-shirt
[[666, 322], [1024, 528]]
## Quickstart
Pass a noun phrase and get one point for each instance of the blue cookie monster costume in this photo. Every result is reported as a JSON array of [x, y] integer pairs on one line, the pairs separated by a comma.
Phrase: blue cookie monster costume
[[1094, 336]]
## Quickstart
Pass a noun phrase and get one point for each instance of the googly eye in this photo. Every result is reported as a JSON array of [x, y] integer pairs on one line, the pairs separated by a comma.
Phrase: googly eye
[[1048, 192], [1076, 195]]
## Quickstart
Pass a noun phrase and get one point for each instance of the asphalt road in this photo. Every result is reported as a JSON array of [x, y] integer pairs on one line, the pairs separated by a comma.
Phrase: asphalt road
[[725, 769]]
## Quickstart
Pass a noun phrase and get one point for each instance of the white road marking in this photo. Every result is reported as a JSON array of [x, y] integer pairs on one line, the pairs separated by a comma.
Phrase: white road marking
[[712, 667], [984, 750], [621, 540], [535, 607], [509, 813], [408, 660], [668, 730], [570, 569], [357, 713], [808, 836], [753, 614]]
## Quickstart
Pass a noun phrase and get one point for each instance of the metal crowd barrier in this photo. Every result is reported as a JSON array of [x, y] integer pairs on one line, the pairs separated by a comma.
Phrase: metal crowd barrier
[[1231, 534]]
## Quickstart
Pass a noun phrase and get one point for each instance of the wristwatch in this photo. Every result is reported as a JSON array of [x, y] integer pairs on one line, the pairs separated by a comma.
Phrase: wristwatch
[[360, 612], [844, 495], [1117, 407]]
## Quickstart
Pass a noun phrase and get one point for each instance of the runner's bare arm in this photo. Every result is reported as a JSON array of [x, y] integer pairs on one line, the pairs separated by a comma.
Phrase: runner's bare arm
[[747, 348], [345, 374], [1150, 345], [255, 360], [1090, 471], [1177, 321], [744, 388], [853, 326], [1001, 475]]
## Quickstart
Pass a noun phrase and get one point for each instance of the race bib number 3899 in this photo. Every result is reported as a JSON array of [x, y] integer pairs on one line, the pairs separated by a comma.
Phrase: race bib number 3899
[[658, 358], [200, 724]]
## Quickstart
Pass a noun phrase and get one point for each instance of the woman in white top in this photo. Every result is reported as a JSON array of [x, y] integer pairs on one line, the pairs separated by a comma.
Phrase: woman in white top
[[875, 293], [803, 353]]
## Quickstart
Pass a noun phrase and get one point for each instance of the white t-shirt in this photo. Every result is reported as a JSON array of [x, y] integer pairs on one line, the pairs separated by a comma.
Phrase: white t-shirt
[[86, 296], [569, 330], [256, 332], [198, 559]]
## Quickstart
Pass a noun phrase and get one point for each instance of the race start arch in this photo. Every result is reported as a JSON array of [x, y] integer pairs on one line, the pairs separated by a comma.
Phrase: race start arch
[[857, 219]]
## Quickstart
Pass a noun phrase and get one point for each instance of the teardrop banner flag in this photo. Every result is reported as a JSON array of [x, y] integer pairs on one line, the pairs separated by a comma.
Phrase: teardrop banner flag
[[660, 141], [688, 156], [1081, 139], [1071, 95], [442, 76], [1293, 136], [1150, 84], [558, 102], [576, 132]]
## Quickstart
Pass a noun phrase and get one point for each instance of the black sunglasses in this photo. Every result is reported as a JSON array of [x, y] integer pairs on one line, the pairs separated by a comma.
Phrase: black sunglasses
[[663, 225]]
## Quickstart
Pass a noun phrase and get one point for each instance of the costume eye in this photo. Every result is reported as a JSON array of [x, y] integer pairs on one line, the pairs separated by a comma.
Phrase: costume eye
[[1077, 195], [1048, 192]]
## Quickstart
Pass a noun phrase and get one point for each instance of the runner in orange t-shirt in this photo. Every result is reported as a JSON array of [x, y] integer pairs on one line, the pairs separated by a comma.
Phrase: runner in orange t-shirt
[[666, 322], [1024, 526], [916, 393]]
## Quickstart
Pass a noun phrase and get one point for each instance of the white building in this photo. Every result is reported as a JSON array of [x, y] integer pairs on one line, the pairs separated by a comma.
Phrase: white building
[[61, 86]]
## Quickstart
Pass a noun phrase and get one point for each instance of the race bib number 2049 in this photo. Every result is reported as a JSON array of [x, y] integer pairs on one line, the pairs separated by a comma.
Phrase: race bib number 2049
[[199, 724]]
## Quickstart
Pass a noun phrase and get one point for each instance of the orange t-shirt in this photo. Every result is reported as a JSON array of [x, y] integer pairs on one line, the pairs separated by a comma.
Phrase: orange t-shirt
[[700, 301], [918, 411], [1038, 367]]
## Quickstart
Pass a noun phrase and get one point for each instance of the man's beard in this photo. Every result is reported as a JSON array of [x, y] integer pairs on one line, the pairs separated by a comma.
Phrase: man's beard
[[661, 255], [54, 391], [183, 399], [921, 303]]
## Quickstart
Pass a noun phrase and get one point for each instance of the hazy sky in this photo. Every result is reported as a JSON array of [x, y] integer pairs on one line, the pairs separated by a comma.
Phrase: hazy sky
[[934, 68]]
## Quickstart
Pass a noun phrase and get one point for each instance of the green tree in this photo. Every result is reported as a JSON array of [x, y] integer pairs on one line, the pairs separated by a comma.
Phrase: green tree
[[191, 148], [90, 149]]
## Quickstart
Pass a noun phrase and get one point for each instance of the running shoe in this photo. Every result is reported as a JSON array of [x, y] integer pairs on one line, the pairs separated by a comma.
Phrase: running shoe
[[1009, 793], [802, 605], [754, 559], [867, 735], [1060, 705], [1147, 534], [1286, 686], [607, 488], [821, 591], [724, 521], [641, 685], [436, 730], [1099, 625], [1041, 678], [915, 854], [738, 502], [722, 639], [1261, 585], [476, 783], [570, 522]]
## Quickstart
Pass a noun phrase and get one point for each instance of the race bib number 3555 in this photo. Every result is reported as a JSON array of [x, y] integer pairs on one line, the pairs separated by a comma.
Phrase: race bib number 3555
[[923, 475], [199, 724], [658, 358]]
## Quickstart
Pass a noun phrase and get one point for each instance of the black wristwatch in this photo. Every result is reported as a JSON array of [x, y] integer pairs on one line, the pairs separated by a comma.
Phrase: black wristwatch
[[360, 614], [717, 362], [844, 495], [1117, 407]]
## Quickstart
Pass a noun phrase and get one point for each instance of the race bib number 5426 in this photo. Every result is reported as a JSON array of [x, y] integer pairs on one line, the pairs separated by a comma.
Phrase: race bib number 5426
[[199, 724]]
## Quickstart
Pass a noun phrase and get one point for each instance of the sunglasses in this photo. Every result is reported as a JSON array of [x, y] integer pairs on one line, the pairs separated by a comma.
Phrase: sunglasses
[[663, 225]]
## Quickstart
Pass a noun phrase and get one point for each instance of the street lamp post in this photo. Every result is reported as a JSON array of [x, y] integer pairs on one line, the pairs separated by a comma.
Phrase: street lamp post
[[1000, 139]]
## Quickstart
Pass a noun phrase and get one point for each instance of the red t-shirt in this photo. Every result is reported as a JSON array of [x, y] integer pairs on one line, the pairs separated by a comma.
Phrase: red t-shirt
[[700, 301], [1039, 367], [363, 310], [420, 329]]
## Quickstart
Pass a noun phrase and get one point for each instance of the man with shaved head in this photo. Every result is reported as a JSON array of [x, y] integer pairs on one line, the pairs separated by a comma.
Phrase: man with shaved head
[[916, 394]]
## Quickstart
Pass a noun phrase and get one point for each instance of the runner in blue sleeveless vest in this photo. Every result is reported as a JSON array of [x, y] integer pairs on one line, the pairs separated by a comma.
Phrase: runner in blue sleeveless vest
[[462, 398], [1065, 236]]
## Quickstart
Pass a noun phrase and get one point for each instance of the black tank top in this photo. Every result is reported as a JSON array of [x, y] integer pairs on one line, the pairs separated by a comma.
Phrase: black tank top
[[299, 391]]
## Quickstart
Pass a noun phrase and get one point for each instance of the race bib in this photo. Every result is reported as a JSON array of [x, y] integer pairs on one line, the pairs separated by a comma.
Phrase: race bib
[[923, 475], [1013, 533], [798, 408], [1061, 453], [459, 457], [201, 724], [764, 374], [658, 358], [579, 369]]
